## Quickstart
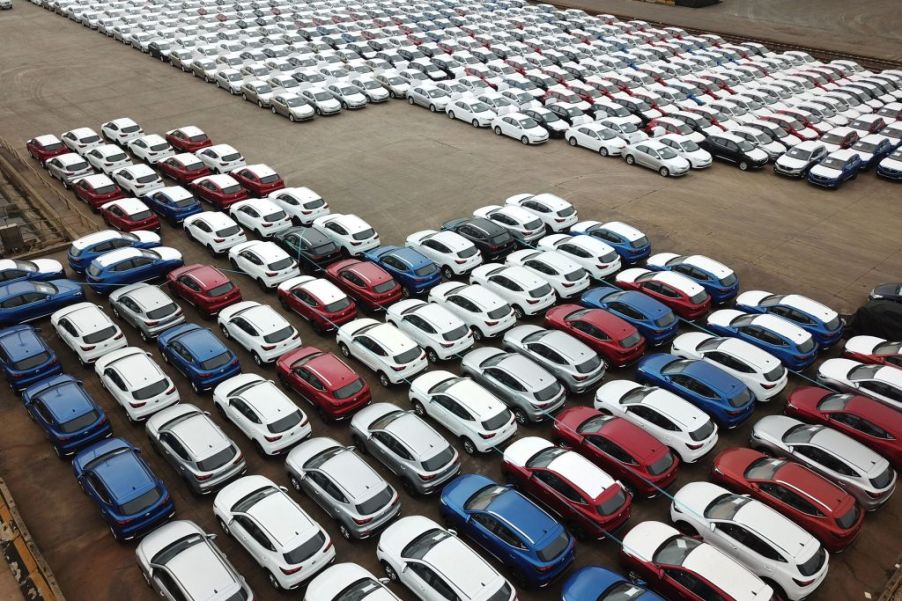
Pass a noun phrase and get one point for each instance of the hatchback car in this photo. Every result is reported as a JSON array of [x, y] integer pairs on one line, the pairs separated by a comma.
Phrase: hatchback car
[[351, 233], [81, 139], [302, 204], [17, 270], [615, 339], [204, 287], [87, 330], [597, 258], [188, 138], [593, 583], [717, 279], [121, 130], [138, 180], [799, 159], [151, 148], [681, 294], [872, 349], [371, 286], [214, 230], [25, 357], [97, 190], [221, 158], [45, 147], [68, 168], [414, 271], [173, 203], [146, 308], [220, 190], [63, 409], [107, 158], [654, 320], [332, 585], [323, 380], [571, 361], [736, 150], [631, 244]]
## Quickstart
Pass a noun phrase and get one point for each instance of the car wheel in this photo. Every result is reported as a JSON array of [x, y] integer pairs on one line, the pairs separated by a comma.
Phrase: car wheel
[[56, 449], [344, 350], [743, 166], [391, 94], [291, 117], [343, 530], [447, 272], [257, 359], [273, 110], [383, 379], [603, 151], [409, 488], [469, 447], [432, 356], [390, 571], [524, 140], [344, 105], [450, 114], [272, 580], [475, 123], [358, 444], [518, 312], [195, 388], [317, 111], [295, 483], [210, 248], [410, 100], [664, 171], [419, 408], [144, 336], [497, 131], [65, 184], [629, 159], [262, 284], [571, 141], [477, 333], [115, 534], [244, 96], [521, 417], [165, 358], [225, 332], [432, 108]]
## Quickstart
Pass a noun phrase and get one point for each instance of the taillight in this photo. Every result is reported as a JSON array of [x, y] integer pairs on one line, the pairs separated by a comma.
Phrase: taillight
[[117, 336], [288, 571], [171, 389], [88, 347], [273, 438], [268, 347], [695, 447], [238, 458], [398, 367], [459, 261], [271, 273], [804, 583], [532, 301], [218, 240], [363, 521], [487, 436], [152, 323], [202, 477], [137, 404], [427, 477], [491, 323]]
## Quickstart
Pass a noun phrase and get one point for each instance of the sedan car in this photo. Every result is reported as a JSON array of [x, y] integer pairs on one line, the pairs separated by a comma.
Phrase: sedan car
[[471, 110], [835, 169], [25, 357], [881, 382], [656, 156], [631, 244], [689, 149], [786, 341], [281, 537], [654, 320], [293, 106], [322, 101], [717, 279], [736, 150], [29, 300], [597, 138], [822, 322], [863, 473], [132, 500], [519, 126], [263, 261]]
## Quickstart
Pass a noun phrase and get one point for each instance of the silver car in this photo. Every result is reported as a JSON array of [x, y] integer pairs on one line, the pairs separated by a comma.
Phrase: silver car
[[229, 80], [526, 387], [68, 168], [292, 106], [576, 365], [406, 445], [146, 308], [656, 156], [257, 91], [429, 96], [863, 473], [343, 485], [203, 455]]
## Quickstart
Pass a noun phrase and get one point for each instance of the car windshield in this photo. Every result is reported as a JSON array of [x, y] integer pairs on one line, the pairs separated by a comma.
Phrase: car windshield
[[675, 550], [799, 153], [421, 545], [151, 390], [482, 498], [833, 163], [217, 460], [322, 96], [306, 549], [280, 264], [216, 361], [666, 153], [612, 504], [32, 361]]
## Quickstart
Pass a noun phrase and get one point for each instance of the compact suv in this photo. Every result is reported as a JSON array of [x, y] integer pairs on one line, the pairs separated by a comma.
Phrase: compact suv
[[25, 357], [281, 537], [214, 230], [87, 330], [441, 333], [408, 446], [332, 585], [572, 362], [318, 301], [325, 381], [383, 348], [260, 329], [717, 279], [492, 240], [146, 308], [202, 454], [136, 382], [264, 261], [199, 355], [486, 313], [69, 417], [344, 486]]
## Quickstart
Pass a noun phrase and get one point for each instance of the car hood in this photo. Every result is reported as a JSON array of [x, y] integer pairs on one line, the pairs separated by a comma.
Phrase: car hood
[[825, 172]]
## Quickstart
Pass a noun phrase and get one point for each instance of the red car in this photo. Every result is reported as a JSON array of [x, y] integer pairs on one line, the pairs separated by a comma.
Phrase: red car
[[44, 148], [871, 349], [129, 215], [870, 422], [589, 501], [259, 179], [97, 190], [317, 300], [184, 168], [204, 287], [324, 381], [614, 338], [188, 139], [684, 296], [622, 449], [220, 190], [364, 281], [813, 502]]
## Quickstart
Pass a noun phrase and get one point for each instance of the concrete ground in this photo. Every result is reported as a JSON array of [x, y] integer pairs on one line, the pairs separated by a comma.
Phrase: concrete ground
[[868, 27], [404, 169]]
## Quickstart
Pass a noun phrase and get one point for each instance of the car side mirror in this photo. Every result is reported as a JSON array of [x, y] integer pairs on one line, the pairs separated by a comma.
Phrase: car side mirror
[[452, 532], [283, 489], [211, 536], [384, 581]]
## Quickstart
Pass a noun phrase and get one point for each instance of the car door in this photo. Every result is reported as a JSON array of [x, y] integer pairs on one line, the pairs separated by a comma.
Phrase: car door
[[367, 351], [243, 332], [445, 410], [556, 493], [252, 538], [242, 416], [173, 451]]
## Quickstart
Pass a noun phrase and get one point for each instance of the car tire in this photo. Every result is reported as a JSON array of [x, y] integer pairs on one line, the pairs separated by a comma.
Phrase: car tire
[[383, 379], [344, 350], [571, 141], [391, 94], [524, 140], [432, 356], [272, 581], [603, 151], [295, 483], [521, 417], [165, 360], [477, 333], [291, 117], [258, 360], [497, 131], [344, 105], [418, 408], [223, 525], [390, 571], [518, 311], [447, 272], [225, 332], [244, 96], [743, 166], [345, 533], [469, 447], [195, 388], [262, 284], [451, 115], [432, 108], [273, 110], [210, 249], [410, 100], [317, 111], [115, 534], [663, 171], [144, 336], [409, 488], [629, 159]]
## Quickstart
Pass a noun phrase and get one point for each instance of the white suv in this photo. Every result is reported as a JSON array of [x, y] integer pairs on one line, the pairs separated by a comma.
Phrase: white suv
[[383, 348], [88, 331], [136, 382], [439, 332], [260, 329]]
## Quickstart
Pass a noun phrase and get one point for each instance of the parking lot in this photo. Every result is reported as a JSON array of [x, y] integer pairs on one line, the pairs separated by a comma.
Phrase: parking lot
[[404, 169]]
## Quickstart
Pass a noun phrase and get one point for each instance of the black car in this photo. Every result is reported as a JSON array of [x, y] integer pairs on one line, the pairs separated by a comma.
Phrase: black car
[[698, 123], [159, 50], [635, 106], [890, 291], [565, 112], [549, 120], [492, 240], [734, 149], [312, 250]]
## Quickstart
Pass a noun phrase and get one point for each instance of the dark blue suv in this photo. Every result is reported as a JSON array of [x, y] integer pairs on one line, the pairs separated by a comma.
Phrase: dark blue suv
[[25, 357], [199, 355], [70, 418]]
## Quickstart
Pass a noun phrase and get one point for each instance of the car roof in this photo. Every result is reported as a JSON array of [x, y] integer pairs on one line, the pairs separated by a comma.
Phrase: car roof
[[266, 250], [186, 158], [66, 399], [850, 451], [270, 402], [139, 169], [125, 476], [22, 342], [417, 435], [114, 256], [261, 170], [522, 515], [216, 219], [682, 412], [190, 130], [354, 475], [730, 576], [97, 179], [201, 343], [461, 565], [284, 520], [783, 327], [200, 435], [582, 473], [87, 317], [844, 154], [264, 317], [46, 139], [527, 371], [202, 573], [129, 205]]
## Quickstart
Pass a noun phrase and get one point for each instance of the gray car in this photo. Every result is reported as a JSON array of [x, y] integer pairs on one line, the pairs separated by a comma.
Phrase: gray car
[[68, 168], [194, 445], [344, 486], [406, 445], [257, 91], [863, 473], [576, 365], [428, 95], [292, 106], [204, 68], [229, 80], [526, 387], [146, 308]]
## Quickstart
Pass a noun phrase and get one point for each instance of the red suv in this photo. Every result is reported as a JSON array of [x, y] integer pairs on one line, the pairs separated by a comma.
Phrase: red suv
[[97, 190], [367, 283], [222, 191], [259, 180], [323, 380], [612, 337], [44, 148], [317, 300], [685, 297], [129, 215], [188, 139], [184, 168], [204, 287]]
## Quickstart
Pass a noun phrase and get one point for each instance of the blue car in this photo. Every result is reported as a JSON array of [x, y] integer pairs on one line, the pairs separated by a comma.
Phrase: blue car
[[822, 322], [509, 526], [132, 500], [416, 273], [173, 203], [30, 300], [719, 394], [25, 357], [786, 341], [199, 355], [631, 244], [654, 320], [126, 266], [70, 418], [835, 169], [16, 270], [86, 249], [718, 280], [592, 583], [891, 166], [872, 149]]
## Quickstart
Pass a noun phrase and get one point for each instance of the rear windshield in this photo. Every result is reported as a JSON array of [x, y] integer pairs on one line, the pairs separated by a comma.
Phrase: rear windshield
[[439, 461], [140, 503], [141, 215], [33, 361], [217, 460], [549, 392], [222, 289], [541, 291], [217, 361], [613, 504], [349, 390], [589, 366], [639, 242], [849, 519], [280, 335], [384, 286], [426, 269], [163, 311], [497, 421], [631, 340], [455, 334], [286, 423], [555, 548], [499, 312], [151, 391], [661, 465], [76, 424], [704, 432], [408, 355], [105, 189], [101, 335], [306, 550], [377, 502], [228, 231], [280, 264], [364, 235]]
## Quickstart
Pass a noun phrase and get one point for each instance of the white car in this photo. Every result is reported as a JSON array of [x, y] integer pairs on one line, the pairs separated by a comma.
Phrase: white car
[[683, 427], [434, 328], [136, 382], [263, 261], [527, 293], [698, 157], [260, 329], [151, 148], [281, 537], [624, 127], [566, 276], [471, 413], [520, 127], [121, 131], [81, 139], [521, 99], [556, 213], [261, 215], [221, 158], [88, 331], [453, 253], [471, 110], [772, 546], [598, 258], [351, 233], [649, 541], [498, 103], [759, 370], [214, 230], [523, 225], [881, 382], [332, 584], [891, 165], [262, 412], [302, 204], [138, 180], [383, 348], [597, 138], [453, 569], [107, 158], [487, 314]]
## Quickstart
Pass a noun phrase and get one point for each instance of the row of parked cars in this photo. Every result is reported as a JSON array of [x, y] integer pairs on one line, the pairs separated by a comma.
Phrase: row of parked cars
[[658, 97], [522, 383]]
